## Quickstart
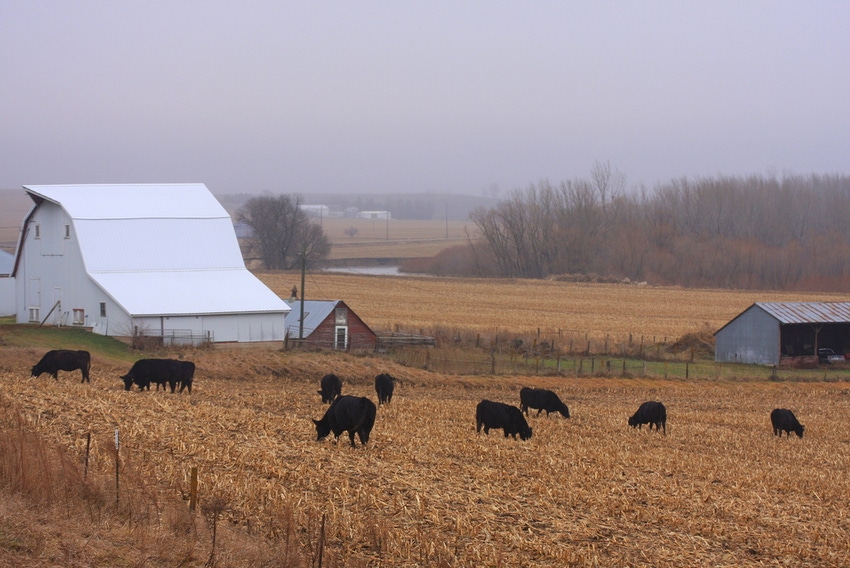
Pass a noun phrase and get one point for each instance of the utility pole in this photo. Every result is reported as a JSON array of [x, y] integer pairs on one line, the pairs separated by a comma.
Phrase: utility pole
[[303, 273]]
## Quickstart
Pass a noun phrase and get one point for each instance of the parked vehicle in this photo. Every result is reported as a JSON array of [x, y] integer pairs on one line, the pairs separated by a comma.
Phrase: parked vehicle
[[827, 355]]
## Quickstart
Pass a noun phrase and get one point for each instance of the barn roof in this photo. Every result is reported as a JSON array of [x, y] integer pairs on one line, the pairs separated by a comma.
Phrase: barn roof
[[807, 312], [160, 249], [315, 312]]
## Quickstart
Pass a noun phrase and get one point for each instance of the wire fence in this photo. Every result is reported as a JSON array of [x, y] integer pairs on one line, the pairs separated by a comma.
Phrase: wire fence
[[493, 363]]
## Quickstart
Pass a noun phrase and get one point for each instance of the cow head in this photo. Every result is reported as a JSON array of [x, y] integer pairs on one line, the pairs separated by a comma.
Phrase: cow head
[[35, 371], [525, 433], [799, 430], [322, 428], [128, 382]]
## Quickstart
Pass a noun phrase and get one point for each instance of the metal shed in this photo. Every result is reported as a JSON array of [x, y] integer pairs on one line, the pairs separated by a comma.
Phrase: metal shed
[[773, 333], [150, 259]]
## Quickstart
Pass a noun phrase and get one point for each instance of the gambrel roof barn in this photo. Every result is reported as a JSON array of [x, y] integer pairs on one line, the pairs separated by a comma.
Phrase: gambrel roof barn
[[770, 333], [158, 259]]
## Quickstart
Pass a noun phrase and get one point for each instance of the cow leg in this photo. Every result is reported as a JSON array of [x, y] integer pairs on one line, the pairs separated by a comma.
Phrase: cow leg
[[351, 436]]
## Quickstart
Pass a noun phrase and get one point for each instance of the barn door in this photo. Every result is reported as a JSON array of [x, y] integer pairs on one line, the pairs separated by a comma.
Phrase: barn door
[[34, 299]]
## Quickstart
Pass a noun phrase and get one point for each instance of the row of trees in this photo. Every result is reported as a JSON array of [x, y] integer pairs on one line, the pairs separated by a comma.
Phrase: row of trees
[[752, 232]]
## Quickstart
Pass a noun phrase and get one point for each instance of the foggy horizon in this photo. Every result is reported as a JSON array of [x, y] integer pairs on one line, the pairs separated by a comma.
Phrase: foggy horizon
[[437, 97]]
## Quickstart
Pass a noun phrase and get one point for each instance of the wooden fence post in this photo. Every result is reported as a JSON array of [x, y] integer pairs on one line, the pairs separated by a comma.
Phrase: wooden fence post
[[193, 488]]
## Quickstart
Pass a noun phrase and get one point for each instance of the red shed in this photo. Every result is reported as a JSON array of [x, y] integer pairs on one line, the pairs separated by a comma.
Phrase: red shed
[[329, 324]]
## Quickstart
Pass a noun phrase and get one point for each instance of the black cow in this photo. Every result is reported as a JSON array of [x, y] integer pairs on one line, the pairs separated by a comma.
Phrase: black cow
[[783, 419], [348, 413], [63, 360], [509, 418], [384, 386], [161, 372], [652, 413], [185, 376], [541, 399], [331, 388]]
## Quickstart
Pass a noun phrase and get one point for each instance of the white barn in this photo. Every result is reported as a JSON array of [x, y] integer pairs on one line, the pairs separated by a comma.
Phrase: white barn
[[150, 259]]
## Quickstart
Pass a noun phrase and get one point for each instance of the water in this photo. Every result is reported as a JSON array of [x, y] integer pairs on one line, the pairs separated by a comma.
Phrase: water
[[369, 270]]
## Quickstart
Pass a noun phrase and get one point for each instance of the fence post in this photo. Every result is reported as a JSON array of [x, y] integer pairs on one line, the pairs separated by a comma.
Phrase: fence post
[[88, 451], [193, 488], [117, 446], [687, 370], [492, 361]]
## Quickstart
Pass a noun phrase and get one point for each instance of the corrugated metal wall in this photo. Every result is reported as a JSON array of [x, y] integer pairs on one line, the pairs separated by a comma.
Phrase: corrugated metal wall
[[752, 337]]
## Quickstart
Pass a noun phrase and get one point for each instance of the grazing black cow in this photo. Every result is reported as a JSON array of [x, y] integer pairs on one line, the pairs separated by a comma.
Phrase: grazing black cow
[[541, 399], [652, 413], [489, 414], [161, 372], [783, 419], [185, 376], [331, 388], [63, 360], [353, 414], [384, 386]]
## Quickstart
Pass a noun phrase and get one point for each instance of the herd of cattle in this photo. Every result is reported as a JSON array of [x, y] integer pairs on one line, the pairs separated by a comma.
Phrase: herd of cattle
[[160, 372], [356, 415]]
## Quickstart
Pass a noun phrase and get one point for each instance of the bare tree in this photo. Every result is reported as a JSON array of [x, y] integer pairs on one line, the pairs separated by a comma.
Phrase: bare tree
[[282, 231]]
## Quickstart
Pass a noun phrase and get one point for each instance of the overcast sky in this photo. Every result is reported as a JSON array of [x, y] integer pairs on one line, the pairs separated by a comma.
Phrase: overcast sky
[[437, 96]]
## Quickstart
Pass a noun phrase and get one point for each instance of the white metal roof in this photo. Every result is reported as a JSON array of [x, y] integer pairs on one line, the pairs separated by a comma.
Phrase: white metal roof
[[161, 249]]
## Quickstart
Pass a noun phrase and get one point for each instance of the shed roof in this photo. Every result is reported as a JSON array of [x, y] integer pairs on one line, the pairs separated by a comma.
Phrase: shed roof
[[315, 312], [807, 312], [160, 249], [7, 260]]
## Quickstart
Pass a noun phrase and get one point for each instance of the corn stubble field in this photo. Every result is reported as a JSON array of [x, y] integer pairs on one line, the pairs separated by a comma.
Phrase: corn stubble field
[[718, 490]]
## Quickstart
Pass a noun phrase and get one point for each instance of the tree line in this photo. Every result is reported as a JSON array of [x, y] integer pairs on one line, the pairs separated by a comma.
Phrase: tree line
[[753, 232]]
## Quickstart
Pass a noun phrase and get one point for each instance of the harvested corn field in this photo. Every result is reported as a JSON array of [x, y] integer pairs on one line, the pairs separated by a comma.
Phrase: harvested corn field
[[718, 490], [414, 304]]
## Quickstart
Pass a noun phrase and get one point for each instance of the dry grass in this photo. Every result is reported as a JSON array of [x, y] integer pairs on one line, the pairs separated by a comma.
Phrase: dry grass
[[718, 490], [524, 306]]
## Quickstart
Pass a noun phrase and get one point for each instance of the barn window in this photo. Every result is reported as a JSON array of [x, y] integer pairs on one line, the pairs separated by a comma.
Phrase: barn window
[[38, 231], [342, 316], [79, 316], [67, 231], [341, 337], [34, 314], [103, 309]]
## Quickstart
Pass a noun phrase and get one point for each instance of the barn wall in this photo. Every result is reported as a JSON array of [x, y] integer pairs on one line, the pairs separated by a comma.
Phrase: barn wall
[[752, 337], [52, 270], [223, 328], [359, 335]]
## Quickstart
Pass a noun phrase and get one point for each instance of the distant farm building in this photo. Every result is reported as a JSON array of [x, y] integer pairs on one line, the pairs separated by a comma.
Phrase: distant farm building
[[328, 324], [774, 333], [317, 211], [7, 284], [142, 259], [374, 215]]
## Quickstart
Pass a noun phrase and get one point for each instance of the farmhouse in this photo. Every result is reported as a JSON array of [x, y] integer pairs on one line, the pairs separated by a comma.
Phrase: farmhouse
[[329, 324], [773, 333], [127, 260]]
